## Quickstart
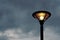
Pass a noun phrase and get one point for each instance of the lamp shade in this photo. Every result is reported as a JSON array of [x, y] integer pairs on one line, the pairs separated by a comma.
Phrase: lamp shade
[[41, 15]]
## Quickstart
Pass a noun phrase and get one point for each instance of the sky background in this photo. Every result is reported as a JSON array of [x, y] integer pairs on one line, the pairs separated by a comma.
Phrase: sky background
[[17, 23]]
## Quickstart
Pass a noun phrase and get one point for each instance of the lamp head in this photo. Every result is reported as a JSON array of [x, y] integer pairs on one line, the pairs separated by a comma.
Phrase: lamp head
[[41, 15]]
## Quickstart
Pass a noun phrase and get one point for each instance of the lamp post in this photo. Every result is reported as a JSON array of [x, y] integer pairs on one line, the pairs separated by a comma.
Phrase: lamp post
[[42, 16]]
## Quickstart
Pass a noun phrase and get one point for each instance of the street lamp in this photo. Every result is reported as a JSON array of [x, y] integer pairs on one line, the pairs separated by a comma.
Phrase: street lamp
[[42, 16]]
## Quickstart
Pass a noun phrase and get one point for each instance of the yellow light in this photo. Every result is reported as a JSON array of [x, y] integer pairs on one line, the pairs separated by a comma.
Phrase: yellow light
[[41, 16]]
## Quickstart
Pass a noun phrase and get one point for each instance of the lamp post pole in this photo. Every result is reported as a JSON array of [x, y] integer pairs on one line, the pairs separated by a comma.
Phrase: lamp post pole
[[42, 16], [41, 30]]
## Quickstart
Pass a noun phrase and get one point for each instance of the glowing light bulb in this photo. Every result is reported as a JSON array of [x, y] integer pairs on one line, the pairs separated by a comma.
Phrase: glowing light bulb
[[41, 17]]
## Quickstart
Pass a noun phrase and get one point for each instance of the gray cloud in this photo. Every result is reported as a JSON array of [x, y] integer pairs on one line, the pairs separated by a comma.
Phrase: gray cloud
[[18, 14], [17, 34], [49, 34]]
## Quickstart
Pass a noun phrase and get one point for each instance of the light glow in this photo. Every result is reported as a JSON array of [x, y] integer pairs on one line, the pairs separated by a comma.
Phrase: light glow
[[41, 16]]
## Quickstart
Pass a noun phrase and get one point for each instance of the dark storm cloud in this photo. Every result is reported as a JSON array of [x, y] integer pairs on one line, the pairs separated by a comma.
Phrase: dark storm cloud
[[18, 13], [15, 13]]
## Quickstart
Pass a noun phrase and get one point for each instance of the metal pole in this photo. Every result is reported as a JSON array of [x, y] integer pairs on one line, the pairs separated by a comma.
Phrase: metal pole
[[41, 30]]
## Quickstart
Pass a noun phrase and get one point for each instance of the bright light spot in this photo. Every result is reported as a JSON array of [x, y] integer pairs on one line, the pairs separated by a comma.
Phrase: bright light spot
[[41, 18]]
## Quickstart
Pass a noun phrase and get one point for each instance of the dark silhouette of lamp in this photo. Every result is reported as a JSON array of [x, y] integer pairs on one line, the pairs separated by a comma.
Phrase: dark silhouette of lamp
[[42, 16]]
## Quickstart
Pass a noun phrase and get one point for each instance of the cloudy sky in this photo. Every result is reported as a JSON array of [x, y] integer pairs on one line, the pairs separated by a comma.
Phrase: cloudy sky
[[17, 23]]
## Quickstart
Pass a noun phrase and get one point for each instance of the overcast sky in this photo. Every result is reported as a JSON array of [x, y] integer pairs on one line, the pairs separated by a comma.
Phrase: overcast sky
[[17, 23]]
